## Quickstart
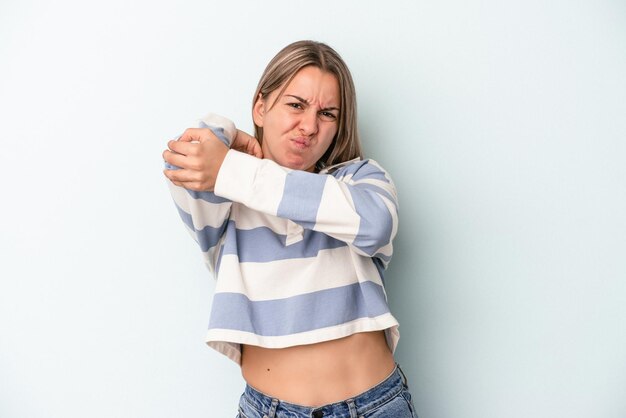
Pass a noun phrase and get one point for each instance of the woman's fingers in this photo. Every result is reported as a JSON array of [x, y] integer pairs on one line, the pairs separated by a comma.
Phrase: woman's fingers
[[189, 142], [199, 154], [187, 177], [181, 175], [196, 135], [174, 158], [183, 148], [190, 185], [256, 150]]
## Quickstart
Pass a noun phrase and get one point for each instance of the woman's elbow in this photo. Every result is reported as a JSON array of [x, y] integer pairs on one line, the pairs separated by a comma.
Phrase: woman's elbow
[[375, 234]]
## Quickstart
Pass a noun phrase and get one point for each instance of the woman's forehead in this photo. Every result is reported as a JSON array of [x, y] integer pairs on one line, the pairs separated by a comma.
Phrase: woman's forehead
[[314, 85]]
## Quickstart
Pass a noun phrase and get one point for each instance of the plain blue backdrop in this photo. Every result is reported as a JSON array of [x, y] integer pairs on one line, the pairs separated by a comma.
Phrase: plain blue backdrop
[[501, 122]]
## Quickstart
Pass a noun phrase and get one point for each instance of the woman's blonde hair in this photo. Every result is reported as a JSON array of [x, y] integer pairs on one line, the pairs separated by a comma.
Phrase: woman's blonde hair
[[283, 68]]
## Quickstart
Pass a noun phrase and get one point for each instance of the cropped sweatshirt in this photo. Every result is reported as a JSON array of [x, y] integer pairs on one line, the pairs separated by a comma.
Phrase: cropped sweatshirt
[[298, 257]]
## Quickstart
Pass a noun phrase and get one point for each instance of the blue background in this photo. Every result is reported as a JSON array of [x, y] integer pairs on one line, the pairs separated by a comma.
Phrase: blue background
[[501, 122]]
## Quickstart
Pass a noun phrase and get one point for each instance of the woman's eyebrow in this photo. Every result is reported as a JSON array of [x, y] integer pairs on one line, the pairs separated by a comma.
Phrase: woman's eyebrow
[[300, 99], [306, 102]]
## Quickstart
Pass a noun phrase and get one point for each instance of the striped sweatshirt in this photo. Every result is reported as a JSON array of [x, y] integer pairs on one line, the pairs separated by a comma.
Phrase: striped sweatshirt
[[298, 257]]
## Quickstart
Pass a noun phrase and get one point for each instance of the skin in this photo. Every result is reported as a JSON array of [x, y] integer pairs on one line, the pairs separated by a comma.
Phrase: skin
[[321, 373], [298, 127]]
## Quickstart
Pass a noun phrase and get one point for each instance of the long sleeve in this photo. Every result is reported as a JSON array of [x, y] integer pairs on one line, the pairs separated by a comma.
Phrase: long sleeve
[[356, 204], [205, 214]]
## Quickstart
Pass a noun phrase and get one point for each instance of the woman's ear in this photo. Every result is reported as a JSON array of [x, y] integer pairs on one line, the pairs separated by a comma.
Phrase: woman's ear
[[258, 111]]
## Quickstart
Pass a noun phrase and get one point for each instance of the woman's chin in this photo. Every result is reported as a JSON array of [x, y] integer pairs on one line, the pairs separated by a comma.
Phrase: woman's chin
[[298, 164]]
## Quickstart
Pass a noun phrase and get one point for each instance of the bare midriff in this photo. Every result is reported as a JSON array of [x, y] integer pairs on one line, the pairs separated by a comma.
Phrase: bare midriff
[[320, 373]]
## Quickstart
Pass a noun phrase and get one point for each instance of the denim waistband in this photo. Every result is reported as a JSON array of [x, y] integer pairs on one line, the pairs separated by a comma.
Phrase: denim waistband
[[359, 404]]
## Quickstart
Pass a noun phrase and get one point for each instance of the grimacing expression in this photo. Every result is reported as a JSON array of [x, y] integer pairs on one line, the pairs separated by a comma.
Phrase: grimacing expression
[[300, 125]]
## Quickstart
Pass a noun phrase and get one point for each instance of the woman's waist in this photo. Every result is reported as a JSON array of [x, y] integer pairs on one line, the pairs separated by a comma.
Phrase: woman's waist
[[320, 373]]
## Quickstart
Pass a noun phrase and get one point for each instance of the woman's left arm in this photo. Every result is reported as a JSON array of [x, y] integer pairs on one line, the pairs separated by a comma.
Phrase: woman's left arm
[[357, 204]]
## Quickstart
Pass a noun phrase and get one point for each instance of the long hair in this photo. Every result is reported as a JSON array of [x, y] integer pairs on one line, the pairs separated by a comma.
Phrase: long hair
[[283, 68]]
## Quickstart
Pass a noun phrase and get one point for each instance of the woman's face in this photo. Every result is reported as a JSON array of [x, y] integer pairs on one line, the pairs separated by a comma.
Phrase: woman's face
[[299, 126]]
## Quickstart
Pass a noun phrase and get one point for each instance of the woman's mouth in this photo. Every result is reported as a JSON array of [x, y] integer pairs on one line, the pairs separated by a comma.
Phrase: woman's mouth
[[301, 142]]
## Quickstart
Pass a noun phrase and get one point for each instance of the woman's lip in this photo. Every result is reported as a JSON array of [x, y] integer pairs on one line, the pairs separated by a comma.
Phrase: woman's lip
[[301, 142]]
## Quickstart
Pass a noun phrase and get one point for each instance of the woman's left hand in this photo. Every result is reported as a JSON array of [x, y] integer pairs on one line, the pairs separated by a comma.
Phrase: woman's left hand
[[199, 154]]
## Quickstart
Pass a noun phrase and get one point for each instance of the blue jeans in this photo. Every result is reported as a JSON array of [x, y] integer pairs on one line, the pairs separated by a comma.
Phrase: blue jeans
[[388, 399]]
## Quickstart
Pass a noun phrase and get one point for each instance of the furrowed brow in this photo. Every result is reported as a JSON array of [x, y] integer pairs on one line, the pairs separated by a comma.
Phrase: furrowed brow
[[300, 99], [306, 102]]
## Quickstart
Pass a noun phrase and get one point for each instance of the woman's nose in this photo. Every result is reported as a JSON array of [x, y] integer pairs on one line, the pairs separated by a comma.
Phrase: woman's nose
[[308, 122]]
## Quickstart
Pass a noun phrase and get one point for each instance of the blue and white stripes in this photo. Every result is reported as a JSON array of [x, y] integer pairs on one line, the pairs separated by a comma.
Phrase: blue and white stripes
[[356, 204], [298, 256]]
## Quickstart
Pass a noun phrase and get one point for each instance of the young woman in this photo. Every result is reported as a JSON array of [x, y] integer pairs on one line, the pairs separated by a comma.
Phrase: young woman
[[298, 230]]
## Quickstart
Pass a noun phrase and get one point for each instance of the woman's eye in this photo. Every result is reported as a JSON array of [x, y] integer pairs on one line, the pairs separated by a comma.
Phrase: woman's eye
[[328, 116], [295, 105]]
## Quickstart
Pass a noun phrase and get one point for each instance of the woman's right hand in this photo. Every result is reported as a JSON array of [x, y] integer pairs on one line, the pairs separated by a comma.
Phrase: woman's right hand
[[247, 143]]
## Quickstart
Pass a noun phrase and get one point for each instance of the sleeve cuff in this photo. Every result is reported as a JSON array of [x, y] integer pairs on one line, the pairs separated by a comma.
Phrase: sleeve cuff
[[217, 121]]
